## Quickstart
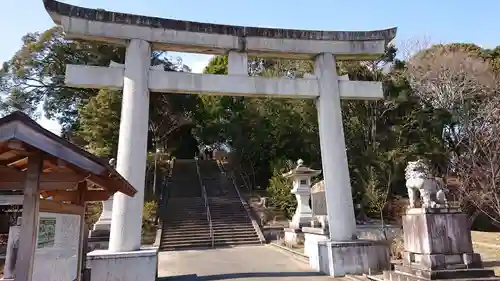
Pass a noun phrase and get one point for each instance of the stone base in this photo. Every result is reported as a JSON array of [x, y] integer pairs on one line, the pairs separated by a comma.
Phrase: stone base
[[312, 236], [98, 240], [442, 261], [438, 230], [353, 257], [438, 239], [438, 246], [293, 236], [139, 265], [409, 273], [99, 233], [93, 245]]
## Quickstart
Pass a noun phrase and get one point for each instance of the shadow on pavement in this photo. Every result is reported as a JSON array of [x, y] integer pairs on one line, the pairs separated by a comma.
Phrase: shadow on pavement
[[491, 263], [189, 277], [229, 276]]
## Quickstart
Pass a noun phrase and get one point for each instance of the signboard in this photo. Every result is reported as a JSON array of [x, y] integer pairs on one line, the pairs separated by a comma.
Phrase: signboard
[[57, 253], [46, 232]]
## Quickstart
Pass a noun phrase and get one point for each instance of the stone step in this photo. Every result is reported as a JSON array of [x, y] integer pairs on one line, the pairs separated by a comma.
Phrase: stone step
[[230, 219], [187, 222], [229, 215], [206, 241], [180, 240], [218, 238], [235, 227], [201, 217], [235, 240], [227, 210], [214, 226], [182, 247], [185, 213], [184, 206], [183, 234], [177, 220], [247, 236], [214, 223], [203, 210], [200, 212], [186, 227], [215, 229]]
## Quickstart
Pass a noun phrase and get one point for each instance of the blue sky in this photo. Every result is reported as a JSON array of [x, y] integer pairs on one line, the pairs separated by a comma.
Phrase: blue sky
[[441, 21]]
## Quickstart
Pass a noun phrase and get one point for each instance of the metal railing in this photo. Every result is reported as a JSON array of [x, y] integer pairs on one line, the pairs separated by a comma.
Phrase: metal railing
[[232, 178], [207, 206]]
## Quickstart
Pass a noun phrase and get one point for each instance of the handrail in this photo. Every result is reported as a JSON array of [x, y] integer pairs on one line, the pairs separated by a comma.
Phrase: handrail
[[207, 207], [243, 202], [164, 192]]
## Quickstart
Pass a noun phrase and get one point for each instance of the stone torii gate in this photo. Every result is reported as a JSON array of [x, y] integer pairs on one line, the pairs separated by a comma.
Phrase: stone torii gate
[[141, 34]]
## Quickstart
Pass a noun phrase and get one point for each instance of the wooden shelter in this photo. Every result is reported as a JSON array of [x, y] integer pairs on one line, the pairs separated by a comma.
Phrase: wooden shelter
[[54, 175]]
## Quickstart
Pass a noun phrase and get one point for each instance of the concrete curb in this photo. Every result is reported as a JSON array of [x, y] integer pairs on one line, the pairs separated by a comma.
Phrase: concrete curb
[[299, 256], [489, 245]]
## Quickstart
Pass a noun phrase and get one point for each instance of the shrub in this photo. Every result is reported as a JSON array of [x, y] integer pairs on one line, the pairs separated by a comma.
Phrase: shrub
[[93, 211], [149, 217], [397, 246], [280, 197]]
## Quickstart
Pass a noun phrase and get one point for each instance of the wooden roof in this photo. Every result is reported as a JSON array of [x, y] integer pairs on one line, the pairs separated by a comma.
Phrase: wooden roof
[[65, 165]]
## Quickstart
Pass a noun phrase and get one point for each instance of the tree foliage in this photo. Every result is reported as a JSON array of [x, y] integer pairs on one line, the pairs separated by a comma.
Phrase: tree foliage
[[35, 75]]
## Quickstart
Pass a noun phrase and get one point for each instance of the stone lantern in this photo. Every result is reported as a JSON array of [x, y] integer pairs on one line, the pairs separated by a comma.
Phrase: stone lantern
[[301, 178]]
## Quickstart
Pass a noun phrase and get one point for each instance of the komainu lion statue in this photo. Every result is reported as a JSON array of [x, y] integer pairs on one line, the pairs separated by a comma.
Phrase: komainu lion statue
[[431, 189]]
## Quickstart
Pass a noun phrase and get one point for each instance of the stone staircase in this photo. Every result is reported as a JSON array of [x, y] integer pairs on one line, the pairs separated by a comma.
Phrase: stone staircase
[[185, 223], [230, 221]]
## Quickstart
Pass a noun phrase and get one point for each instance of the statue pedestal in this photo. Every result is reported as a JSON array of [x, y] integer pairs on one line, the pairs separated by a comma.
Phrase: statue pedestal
[[294, 236], [438, 245], [99, 235]]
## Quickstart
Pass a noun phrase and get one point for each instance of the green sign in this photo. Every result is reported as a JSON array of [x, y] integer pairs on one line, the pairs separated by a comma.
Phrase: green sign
[[46, 232]]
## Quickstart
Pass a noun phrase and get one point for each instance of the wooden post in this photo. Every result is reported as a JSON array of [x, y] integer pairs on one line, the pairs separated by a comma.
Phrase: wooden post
[[82, 252], [29, 224]]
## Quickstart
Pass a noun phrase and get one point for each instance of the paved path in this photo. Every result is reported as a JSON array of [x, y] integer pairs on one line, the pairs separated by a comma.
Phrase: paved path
[[262, 263]]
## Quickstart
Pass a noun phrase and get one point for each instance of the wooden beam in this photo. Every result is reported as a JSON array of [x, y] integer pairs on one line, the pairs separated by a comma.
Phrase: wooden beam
[[17, 163], [10, 175], [51, 206], [73, 195], [11, 200], [51, 165], [29, 226], [53, 146], [3, 147], [17, 145], [43, 185], [107, 184]]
